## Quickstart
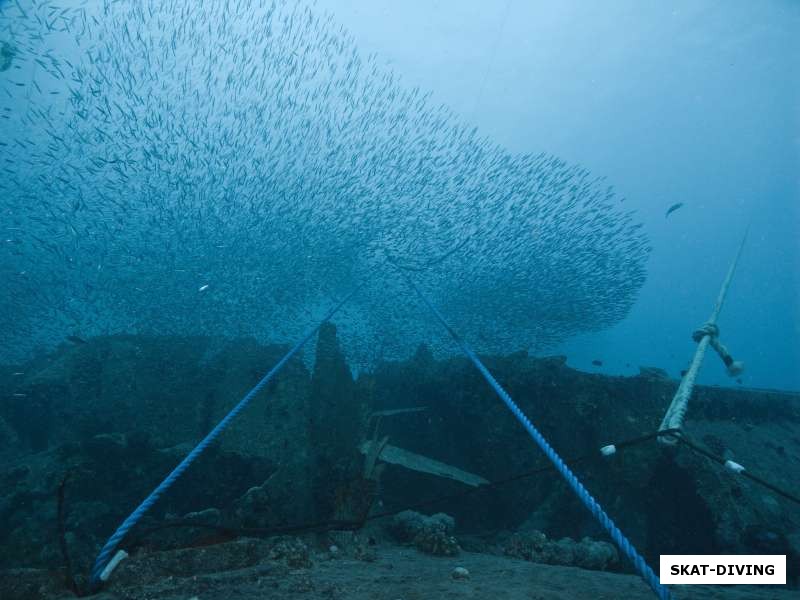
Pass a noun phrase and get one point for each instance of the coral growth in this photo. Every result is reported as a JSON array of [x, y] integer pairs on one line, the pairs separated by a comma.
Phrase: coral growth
[[292, 551], [586, 554], [430, 535]]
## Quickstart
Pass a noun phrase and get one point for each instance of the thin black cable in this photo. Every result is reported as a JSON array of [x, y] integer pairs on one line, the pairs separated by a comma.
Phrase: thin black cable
[[754, 478], [341, 525], [61, 519], [357, 524]]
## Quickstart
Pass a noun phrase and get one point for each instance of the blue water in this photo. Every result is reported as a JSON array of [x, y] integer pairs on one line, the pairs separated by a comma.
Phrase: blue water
[[139, 192], [693, 102]]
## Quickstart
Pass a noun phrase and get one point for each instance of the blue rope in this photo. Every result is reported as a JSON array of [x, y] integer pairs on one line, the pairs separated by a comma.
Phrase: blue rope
[[619, 538], [111, 545]]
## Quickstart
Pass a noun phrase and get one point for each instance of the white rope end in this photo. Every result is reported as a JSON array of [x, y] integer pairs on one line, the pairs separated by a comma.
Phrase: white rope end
[[733, 466], [112, 564], [609, 450]]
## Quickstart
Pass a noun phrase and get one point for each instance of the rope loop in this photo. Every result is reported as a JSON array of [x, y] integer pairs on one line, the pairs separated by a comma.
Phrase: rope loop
[[708, 329]]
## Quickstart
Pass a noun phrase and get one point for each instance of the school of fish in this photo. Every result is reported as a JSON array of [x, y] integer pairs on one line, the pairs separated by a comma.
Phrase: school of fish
[[233, 168]]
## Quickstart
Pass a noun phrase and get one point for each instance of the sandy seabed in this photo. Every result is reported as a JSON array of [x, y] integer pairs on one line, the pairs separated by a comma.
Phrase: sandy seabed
[[245, 569]]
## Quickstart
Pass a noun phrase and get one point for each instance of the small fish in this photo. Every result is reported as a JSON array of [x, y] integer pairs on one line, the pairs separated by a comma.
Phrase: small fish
[[597, 363], [673, 208], [739, 381], [370, 136], [683, 373], [75, 339]]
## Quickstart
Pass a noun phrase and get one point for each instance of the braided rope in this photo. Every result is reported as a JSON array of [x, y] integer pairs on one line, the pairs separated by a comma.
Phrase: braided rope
[[583, 494], [111, 545], [673, 418]]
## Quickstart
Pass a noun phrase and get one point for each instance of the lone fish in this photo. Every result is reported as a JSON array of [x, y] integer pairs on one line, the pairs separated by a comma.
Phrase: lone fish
[[673, 208]]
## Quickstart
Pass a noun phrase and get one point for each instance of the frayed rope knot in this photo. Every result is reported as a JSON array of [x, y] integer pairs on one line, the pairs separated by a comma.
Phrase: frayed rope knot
[[733, 367], [709, 329]]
